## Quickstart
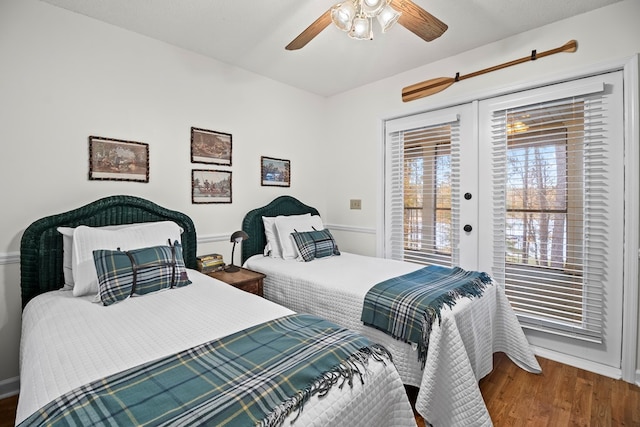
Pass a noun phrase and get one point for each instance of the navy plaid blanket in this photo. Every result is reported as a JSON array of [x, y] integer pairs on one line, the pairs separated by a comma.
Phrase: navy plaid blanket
[[405, 307], [254, 377]]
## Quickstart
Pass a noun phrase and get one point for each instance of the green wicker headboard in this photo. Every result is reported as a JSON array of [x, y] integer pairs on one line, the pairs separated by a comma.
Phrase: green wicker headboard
[[41, 244], [253, 226]]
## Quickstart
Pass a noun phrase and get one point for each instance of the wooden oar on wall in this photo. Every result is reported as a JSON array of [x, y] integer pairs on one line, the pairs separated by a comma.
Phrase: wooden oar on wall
[[429, 87]]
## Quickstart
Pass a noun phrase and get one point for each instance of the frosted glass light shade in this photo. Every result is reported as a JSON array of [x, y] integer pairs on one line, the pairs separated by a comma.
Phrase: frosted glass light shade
[[387, 17], [361, 29], [342, 15], [372, 7]]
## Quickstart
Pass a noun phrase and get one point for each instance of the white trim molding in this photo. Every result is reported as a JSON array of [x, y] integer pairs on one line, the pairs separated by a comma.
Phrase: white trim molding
[[9, 258], [632, 214], [9, 387], [350, 228], [578, 362], [214, 238]]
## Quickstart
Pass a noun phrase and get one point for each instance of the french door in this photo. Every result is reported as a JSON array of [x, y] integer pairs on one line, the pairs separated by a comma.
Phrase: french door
[[529, 187]]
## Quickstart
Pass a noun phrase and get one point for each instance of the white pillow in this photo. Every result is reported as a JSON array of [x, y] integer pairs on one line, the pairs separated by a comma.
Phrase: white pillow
[[272, 247], [287, 225], [87, 239], [67, 250]]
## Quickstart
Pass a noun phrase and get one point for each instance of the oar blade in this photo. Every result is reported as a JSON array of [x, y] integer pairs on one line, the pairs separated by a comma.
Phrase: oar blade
[[426, 88]]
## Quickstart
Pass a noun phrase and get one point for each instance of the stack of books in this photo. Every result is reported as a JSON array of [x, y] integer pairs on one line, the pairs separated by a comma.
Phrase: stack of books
[[210, 263]]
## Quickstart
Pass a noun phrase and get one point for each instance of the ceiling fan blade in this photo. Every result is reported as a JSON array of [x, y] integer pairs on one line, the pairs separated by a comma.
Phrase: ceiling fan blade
[[419, 21], [311, 31]]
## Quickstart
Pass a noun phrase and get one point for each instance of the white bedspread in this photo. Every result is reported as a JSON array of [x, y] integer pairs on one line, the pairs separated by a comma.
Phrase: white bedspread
[[460, 350], [69, 341]]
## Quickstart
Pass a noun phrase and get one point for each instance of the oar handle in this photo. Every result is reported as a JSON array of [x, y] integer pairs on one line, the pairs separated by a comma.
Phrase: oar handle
[[429, 87], [570, 46]]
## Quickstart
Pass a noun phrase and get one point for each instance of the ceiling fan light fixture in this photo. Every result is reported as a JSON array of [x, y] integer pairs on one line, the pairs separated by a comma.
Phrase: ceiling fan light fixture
[[387, 17], [387, 12], [361, 29], [343, 14]]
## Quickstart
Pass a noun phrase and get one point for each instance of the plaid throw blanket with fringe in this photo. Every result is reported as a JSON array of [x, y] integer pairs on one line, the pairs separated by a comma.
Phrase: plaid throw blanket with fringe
[[254, 377], [405, 307]]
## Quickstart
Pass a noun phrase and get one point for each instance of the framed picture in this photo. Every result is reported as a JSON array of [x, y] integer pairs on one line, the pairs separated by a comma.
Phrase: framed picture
[[118, 160], [275, 172], [210, 186], [212, 147]]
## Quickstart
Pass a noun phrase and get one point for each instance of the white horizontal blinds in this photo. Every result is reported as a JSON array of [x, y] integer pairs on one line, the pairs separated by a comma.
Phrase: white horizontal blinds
[[550, 242], [422, 225], [394, 196]]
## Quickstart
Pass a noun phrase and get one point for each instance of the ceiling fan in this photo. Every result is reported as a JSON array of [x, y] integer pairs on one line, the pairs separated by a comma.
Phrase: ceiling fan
[[356, 16]]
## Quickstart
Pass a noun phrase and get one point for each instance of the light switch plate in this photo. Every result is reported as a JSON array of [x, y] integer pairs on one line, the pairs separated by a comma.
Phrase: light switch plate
[[355, 204]]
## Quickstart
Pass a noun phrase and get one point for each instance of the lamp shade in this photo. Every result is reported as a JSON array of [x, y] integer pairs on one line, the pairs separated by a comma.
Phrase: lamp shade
[[361, 29], [239, 236], [342, 15], [372, 7], [236, 237], [387, 17]]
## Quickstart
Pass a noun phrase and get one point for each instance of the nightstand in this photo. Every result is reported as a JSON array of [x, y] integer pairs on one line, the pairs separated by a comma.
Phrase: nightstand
[[247, 280]]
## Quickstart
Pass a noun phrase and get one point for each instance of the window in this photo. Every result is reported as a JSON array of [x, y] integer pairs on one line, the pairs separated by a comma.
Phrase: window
[[544, 225], [427, 195], [551, 172], [422, 158]]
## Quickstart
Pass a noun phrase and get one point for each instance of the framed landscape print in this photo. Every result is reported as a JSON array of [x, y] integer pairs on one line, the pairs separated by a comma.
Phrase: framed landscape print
[[118, 160], [209, 146], [275, 172], [210, 186]]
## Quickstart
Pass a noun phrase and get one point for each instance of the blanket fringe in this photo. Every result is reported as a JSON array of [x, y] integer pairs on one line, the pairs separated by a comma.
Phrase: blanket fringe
[[354, 365]]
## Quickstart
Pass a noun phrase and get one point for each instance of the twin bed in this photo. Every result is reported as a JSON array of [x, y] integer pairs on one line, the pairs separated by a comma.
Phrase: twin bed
[[79, 359], [461, 346]]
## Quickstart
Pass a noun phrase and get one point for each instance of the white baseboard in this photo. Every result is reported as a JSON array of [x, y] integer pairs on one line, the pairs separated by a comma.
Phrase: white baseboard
[[638, 377], [9, 387], [587, 365]]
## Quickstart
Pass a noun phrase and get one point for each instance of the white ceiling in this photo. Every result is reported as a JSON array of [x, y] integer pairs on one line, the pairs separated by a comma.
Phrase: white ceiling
[[252, 34]]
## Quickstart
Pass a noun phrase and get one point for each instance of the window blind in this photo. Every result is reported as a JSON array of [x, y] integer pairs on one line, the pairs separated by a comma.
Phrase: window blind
[[422, 186], [550, 177]]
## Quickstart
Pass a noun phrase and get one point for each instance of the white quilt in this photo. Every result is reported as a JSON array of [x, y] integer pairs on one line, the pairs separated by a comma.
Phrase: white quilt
[[461, 348], [69, 341]]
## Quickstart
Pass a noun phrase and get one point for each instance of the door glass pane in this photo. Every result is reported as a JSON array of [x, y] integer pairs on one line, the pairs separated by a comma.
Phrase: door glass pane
[[427, 195], [544, 218]]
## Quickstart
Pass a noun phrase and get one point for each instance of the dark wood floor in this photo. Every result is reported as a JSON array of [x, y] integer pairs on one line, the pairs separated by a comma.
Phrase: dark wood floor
[[560, 396], [8, 411]]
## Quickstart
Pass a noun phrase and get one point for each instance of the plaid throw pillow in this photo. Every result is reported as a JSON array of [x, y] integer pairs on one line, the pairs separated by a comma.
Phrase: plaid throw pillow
[[315, 244], [139, 271]]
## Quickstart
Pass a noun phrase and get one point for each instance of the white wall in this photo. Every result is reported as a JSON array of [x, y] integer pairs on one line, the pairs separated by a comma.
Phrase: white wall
[[65, 77], [603, 35]]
